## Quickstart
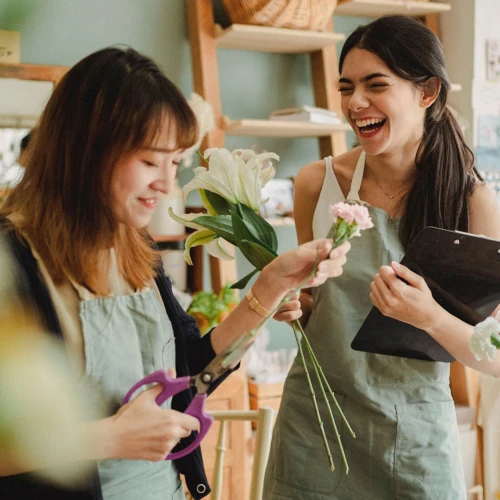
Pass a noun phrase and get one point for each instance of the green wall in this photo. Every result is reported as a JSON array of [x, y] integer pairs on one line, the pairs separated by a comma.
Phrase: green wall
[[61, 32]]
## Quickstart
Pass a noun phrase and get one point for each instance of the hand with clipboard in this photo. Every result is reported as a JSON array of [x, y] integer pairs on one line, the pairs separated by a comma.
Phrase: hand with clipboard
[[450, 270]]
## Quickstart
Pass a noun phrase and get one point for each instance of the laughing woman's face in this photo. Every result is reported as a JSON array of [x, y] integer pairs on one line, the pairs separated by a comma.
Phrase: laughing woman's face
[[384, 110]]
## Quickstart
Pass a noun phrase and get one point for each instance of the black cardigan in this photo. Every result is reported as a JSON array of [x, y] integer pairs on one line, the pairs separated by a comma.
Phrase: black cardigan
[[193, 353]]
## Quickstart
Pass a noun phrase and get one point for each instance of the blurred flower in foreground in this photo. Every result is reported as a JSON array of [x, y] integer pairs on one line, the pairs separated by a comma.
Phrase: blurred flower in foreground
[[40, 411], [204, 113]]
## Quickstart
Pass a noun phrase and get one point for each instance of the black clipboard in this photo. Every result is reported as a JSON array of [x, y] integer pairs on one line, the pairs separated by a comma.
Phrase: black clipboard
[[463, 272]]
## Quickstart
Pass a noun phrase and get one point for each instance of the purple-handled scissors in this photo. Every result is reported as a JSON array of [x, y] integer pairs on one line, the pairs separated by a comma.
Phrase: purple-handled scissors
[[201, 382]]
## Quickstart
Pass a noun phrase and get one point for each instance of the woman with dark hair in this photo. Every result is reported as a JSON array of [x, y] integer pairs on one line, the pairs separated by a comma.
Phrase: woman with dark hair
[[109, 140], [412, 169]]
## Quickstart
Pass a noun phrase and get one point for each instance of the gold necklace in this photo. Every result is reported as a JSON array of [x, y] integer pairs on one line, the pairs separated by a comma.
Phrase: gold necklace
[[390, 196]]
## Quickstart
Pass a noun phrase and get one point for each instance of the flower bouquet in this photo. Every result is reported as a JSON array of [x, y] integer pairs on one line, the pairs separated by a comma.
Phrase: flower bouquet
[[230, 189]]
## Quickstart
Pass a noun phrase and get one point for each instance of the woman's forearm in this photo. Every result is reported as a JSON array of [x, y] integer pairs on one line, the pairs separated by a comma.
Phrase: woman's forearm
[[243, 318], [454, 335]]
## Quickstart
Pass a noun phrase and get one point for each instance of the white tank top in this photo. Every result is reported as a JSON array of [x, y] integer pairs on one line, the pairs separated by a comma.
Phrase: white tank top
[[331, 194]]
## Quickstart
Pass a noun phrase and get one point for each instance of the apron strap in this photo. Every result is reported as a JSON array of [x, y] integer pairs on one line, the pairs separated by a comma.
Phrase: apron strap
[[83, 293], [357, 178]]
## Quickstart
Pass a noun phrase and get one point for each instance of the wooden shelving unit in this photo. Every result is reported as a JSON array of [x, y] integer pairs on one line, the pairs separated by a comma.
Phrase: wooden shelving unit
[[170, 238], [276, 128], [265, 39], [206, 37], [281, 221], [38, 72], [377, 8]]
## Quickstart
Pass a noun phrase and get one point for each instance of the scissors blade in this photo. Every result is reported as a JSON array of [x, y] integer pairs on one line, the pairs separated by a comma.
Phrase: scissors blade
[[224, 361]]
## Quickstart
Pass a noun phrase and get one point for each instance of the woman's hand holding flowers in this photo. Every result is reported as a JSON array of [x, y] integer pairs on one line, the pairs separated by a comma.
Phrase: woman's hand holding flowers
[[293, 267]]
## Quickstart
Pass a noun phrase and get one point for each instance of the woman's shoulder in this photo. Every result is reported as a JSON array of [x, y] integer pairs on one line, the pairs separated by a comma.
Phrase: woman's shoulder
[[311, 177], [484, 211], [345, 164]]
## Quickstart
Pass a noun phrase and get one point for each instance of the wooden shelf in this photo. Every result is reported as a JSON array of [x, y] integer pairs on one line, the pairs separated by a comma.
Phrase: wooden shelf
[[275, 128], [38, 72], [456, 87], [167, 238], [281, 40], [377, 8], [281, 221]]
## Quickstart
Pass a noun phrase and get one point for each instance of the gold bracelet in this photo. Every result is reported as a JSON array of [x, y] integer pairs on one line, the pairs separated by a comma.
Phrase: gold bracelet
[[256, 305]]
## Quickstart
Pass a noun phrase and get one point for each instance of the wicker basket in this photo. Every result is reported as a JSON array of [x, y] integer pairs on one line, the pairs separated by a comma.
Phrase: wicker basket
[[296, 14]]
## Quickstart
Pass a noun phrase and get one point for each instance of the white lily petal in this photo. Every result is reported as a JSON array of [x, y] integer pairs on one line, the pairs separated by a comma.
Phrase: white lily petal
[[262, 157], [218, 249], [244, 154], [210, 151], [221, 166], [266, 175], [201, 237], [185, 219], [211, 180], [190, 186], [249, 177]]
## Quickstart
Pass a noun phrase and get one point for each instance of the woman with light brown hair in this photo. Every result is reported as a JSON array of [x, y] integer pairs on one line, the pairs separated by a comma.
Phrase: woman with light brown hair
[[108, 142]]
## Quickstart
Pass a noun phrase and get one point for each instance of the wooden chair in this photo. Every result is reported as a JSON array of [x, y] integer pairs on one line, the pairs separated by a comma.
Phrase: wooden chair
[[264, 418]]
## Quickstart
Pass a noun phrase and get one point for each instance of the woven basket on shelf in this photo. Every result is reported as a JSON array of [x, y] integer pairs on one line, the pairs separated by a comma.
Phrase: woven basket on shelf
[[296, 14]]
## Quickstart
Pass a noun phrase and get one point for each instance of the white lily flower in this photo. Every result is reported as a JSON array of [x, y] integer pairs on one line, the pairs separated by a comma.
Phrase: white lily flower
[[480, 342], [237, 176]]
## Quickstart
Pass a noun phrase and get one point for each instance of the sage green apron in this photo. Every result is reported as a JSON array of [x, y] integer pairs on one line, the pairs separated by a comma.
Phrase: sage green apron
[[401, 409], [127, 337]]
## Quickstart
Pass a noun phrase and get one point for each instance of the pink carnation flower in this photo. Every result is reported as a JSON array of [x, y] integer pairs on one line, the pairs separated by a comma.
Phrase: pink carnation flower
[[352, 213], [361, 216], [342, 210]]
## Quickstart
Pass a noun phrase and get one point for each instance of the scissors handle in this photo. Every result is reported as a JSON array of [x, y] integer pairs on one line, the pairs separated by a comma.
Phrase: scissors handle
[[197, 410], [171, 386]]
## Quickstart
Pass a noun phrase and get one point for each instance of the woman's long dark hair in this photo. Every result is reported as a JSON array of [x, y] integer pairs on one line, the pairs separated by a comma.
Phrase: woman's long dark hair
[[446, 172]]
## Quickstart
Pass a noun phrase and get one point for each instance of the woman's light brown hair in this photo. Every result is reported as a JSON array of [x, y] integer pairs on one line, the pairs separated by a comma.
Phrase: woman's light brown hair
[[109, 105]]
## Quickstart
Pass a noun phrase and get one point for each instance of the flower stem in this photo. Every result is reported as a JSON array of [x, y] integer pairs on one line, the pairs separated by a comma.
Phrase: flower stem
[[322, 382], [315, 403], [324, 379]]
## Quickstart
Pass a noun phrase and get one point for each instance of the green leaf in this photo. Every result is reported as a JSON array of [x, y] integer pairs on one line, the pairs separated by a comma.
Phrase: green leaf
[[242, 233], [219, 224], [264, 231], [218, 203], [261, 256], [242, 283], [495, 341]]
